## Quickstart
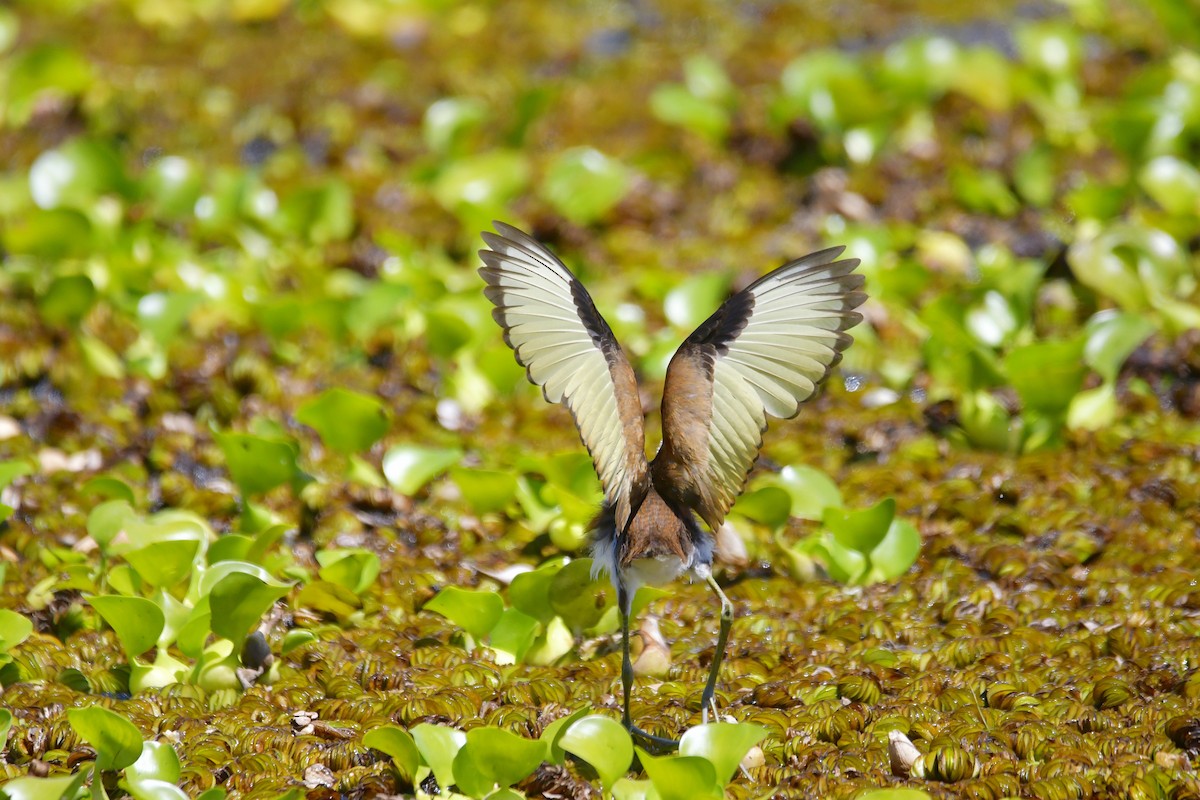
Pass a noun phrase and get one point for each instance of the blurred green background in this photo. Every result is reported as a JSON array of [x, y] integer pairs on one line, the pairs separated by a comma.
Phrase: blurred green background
[[237, 287]]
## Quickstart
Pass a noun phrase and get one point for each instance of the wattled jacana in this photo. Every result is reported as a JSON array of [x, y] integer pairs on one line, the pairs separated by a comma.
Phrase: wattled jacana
[[764, 351]]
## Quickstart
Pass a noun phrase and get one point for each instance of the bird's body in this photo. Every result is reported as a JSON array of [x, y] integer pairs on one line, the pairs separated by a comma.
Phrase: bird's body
[[763, 352]]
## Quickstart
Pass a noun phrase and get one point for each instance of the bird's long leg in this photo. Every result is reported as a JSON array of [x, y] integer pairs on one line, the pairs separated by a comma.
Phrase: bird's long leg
[[706, 699], [653, 743]]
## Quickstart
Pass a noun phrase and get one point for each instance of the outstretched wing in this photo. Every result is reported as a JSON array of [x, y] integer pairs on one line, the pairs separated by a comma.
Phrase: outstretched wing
[[764, 351], [567, 348]]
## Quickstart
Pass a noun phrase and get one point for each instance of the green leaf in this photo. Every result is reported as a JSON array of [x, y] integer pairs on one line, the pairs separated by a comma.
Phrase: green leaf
[[602, 742], [328, 598], [583, 184], [681, 777], [258, 464], [578, 599], [397, 744], [408, 467], [626, 789], [476, 612], [439, 745], [553, 732], [1172, 183], [861, 530], [138, 622], [238, 601], [60, 788], [321, 214], [448, 121], [117, 741], [495, 757], [898, 551], [165, 562], [67, 300], [485, 490], [11, 470], [1093, 409], [108, 486], [695, 299], [513, 634], [153, 789], [723, 744], [5, 726], [810, 489], [1111, 337], [486, 181], [101, 359], [675, 105], [356, 569], [158, 762], [347, 422], [770, 506], [530, 591], [1046, 374], [14, 629]]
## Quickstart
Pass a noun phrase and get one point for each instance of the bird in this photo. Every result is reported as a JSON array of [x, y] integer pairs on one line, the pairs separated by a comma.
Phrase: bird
[[762, 353]]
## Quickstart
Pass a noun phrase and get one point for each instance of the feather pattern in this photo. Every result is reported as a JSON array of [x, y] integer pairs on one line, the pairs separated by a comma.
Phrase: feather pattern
[[568, 349], [763, 352]]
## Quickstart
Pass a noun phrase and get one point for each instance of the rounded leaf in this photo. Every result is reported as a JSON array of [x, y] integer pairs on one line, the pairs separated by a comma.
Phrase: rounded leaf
[[347, 422], [238, 601], [476, 612], [602, 742], [723, 744], [578, 599], [677, 777], [897, 552], [438, 746], [398, 744], [257, 464], [138, 622], [495, 757], [117, 741], [861, 530], [408, 467], [14, 628]]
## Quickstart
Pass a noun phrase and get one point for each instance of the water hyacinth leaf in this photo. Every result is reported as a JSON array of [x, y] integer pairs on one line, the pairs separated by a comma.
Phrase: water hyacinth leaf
[[101, 359], [513, 635], [552, 733], [355, 568], [166, 562], [1111, 337], [627, 789], [770, 506], [810, 489], [602, 742], [439, 746], [678, 777], [485, 490], [695, 298], [578, 599], [723, 744], [530, 591], [449, 121], [1053, 47], [1172, 183], [676, 105], [1046, 374], [106, 520], [117, 741], [75, 175], [294, 638], [493, 757], [321, 214], [153, 789], [987, 423], [173, 184], [862, 529], [138, 622], [257, 464], [163, 314], [329, 598], [238, 601], [844, 564], [898, 551], [11, 470], [67, 300], [706, 78], [486, 181], [110, 487], [476, 612], [408, 467], [397, 744], [583, 184], [555, 641], [218, 571], [14, 629], [158, 762], [1093, 409], [67, 787], [230, 547], [347, 422], [215, 793]]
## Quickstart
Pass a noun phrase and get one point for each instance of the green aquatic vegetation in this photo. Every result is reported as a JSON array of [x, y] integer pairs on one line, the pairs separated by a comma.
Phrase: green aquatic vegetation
[[703, 104], [584, 185], [862, 546]]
